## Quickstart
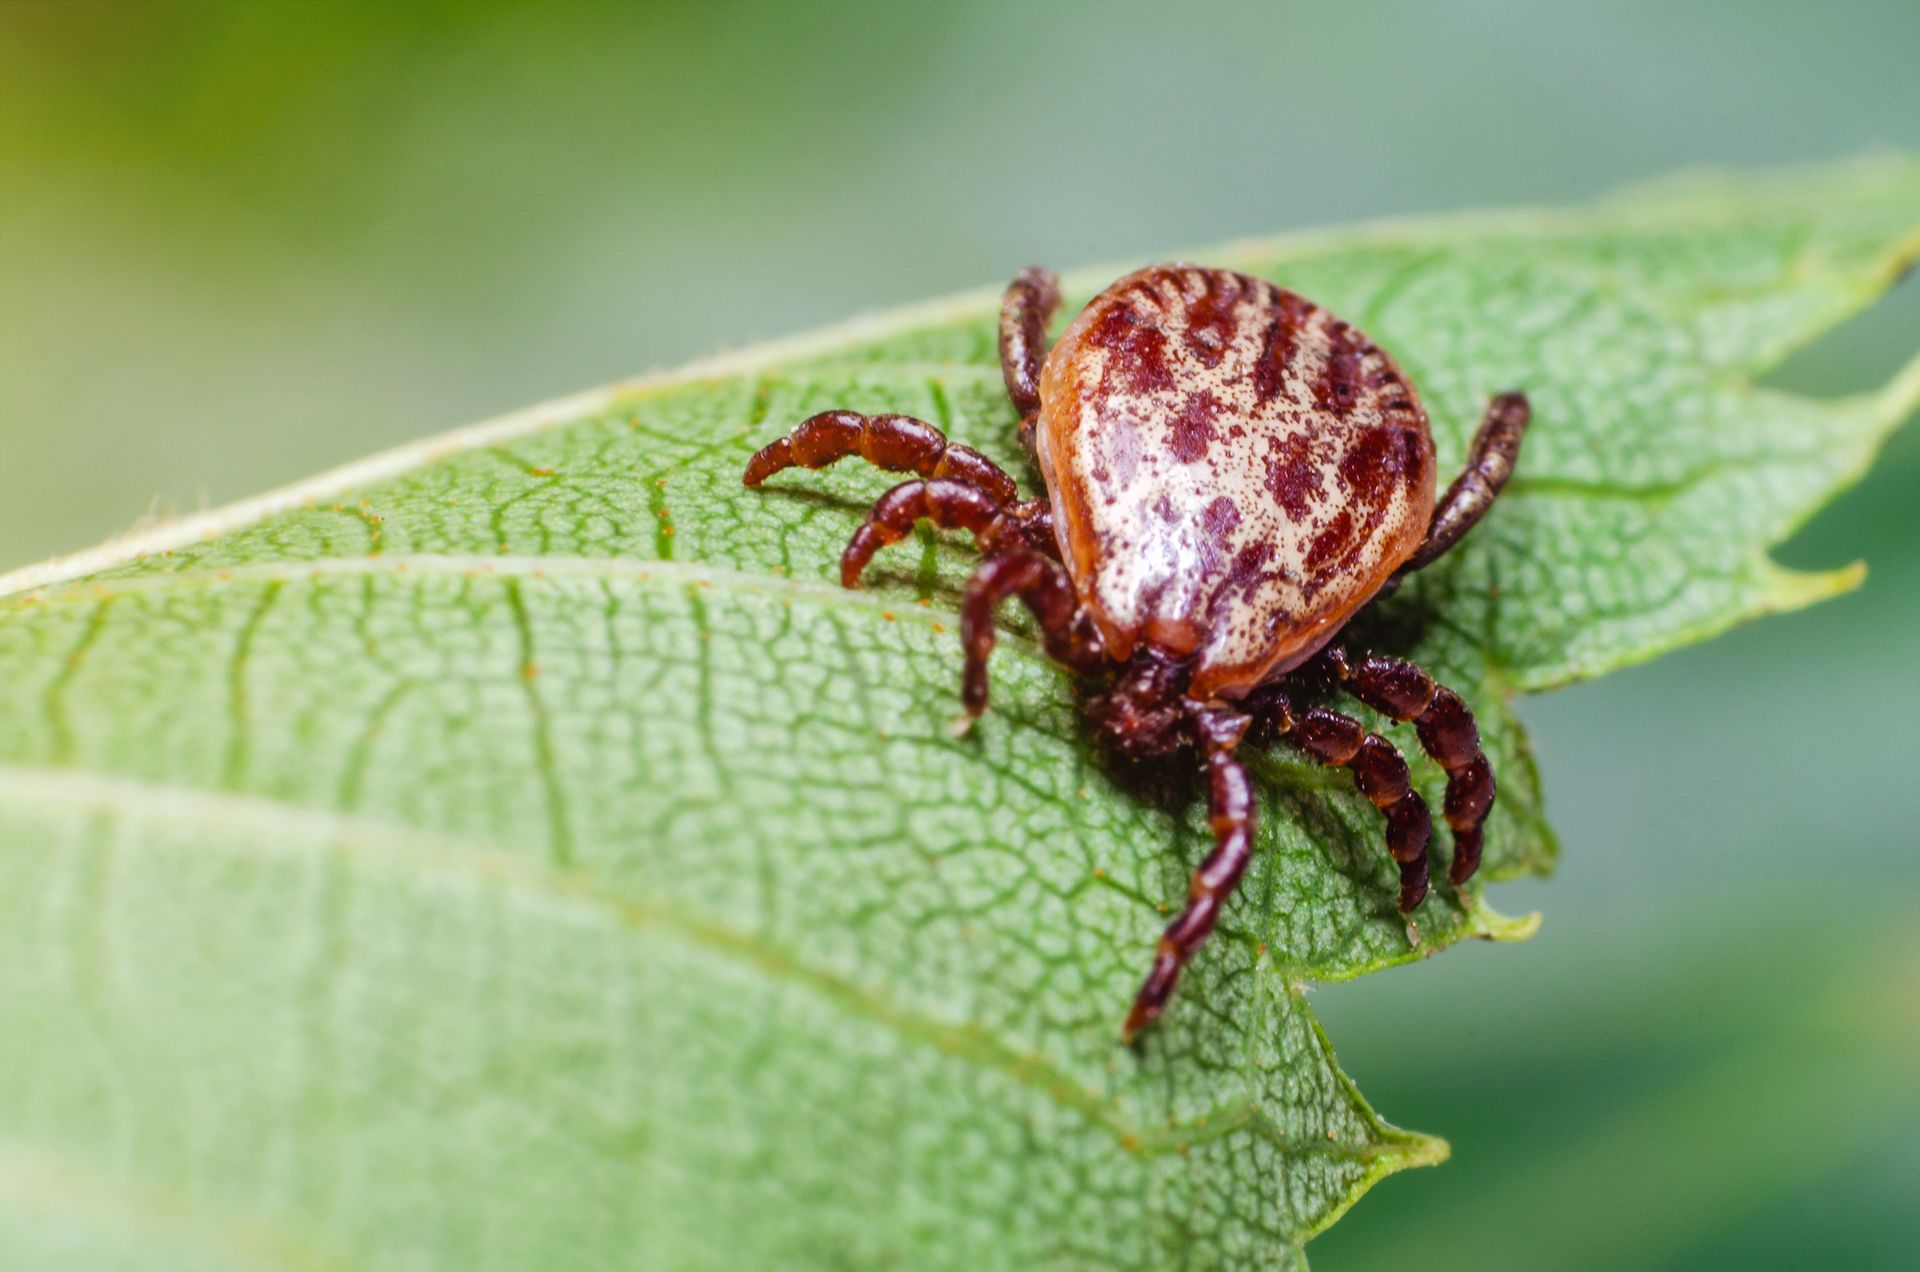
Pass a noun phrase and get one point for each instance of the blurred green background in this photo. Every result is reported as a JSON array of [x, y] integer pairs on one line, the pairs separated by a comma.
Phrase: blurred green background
[[239, 242]]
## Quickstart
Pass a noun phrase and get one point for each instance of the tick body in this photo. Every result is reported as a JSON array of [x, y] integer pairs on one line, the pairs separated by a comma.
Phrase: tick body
[[1231, 473]]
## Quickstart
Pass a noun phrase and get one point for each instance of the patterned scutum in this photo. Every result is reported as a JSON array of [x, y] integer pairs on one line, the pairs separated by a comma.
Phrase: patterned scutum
[[1234, 470]]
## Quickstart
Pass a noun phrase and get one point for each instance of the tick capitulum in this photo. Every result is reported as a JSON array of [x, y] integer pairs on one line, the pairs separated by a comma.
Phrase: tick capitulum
[[1232, 473]]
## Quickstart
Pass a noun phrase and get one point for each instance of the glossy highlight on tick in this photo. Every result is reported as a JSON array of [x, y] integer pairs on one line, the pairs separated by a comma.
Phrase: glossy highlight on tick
[[1231, 474]]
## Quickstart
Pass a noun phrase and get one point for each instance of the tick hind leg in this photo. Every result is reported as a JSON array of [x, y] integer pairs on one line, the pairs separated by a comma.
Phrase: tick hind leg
[[1379, 770], [1025, 311], [896, 443], [1397, 688], [1230, 813], [1490, 461]]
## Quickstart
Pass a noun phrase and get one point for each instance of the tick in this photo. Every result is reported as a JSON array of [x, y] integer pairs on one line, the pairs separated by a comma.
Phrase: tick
[[1231, 473]]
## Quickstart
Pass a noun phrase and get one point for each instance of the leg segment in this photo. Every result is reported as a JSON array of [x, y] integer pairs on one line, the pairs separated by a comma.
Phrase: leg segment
[[897, 443], [1340, 741], [949, 504], [1025, 311], [1397, 688], [1381, 774], [1489, 463], [1230, 812], [1034, 520], [1068, 634]]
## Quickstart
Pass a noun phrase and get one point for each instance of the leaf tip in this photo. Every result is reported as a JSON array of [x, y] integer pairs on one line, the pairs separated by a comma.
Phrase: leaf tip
[[1796, 589], [1488, 924], [1398, 1150], [1901, 397], [1424, 1150]]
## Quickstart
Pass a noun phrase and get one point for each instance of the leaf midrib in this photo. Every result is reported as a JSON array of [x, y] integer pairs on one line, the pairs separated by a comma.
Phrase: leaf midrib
[[453, 857], [679, 575], [668, 575]]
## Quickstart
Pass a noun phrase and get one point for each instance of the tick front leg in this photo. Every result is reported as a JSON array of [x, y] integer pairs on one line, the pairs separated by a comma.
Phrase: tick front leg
[[948, 504], [1397, 688], [1490, 461], [1379, 770], [1230, 813], [1069, 636], [896, 443], [1025, 311]]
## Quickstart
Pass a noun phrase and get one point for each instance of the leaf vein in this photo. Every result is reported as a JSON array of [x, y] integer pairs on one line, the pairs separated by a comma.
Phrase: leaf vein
[[296, 830]]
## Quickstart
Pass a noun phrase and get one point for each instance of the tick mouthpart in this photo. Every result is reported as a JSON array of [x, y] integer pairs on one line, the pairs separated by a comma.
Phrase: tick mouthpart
[[1144, 714]]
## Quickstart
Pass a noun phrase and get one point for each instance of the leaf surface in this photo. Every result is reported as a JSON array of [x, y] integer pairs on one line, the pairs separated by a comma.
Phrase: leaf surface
[[514, 852]]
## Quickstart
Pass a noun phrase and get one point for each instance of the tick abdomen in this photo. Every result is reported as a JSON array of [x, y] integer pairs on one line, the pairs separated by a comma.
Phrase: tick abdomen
[[1234, 471]]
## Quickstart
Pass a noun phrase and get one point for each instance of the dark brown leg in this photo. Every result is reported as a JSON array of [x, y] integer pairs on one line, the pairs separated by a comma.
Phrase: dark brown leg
[[1034, 519], [1397, 688], [1230, 812], [1378, 770], [1489, 463], [1068, 634], [949, 504], [897, 443], [1026, 310]]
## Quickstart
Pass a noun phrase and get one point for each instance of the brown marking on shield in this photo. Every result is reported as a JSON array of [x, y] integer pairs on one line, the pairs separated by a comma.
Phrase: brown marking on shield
[[1137, 353], [1413, 449], [1192, 426], [1213, 317], [1375, 463], [1248, 565], [1293, 474], [1220, 518], [1337, 388], [1332, 542], [1247, 572], [1277, 345]]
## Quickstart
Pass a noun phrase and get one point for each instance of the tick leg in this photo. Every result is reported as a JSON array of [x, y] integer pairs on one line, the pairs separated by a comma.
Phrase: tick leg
[[1397, 688], [1230, 813], [1033, 518], [1025, 311], [949, 504], [897, 443], [1489, 463], [1068, 634], [1379, 770]]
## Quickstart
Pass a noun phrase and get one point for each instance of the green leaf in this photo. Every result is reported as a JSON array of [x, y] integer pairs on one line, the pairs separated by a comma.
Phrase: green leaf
[[514, 852]]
